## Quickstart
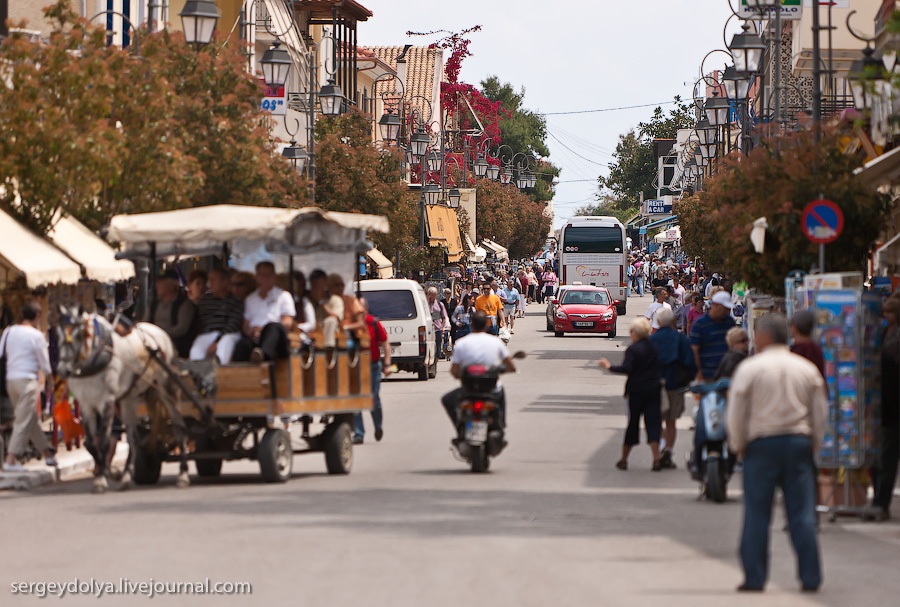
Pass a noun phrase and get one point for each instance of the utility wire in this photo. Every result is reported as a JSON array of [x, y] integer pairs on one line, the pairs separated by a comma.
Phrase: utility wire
[[574, 152], [608, 109]]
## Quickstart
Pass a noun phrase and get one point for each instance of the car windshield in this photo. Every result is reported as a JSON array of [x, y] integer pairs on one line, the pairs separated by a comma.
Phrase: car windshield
[[588, 298]]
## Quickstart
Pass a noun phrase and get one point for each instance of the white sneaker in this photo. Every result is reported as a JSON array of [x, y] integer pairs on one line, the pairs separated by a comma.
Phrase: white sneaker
[[17, 467]]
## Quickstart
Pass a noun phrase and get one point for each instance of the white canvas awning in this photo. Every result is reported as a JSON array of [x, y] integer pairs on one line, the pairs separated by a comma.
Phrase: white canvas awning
[[498, 250], [206, 230], [882, 170], [97, 258], [470, 246], [382, 264], [887, 257], [24, 252]]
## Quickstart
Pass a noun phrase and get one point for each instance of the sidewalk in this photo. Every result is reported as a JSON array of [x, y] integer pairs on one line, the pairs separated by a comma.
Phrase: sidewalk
[[71, 464]]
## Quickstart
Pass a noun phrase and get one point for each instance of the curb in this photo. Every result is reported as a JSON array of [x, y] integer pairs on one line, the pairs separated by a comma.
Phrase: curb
[[72, 464]]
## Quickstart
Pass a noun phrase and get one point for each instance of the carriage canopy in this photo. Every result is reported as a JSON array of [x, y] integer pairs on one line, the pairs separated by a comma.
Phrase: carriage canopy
[[211, 229]]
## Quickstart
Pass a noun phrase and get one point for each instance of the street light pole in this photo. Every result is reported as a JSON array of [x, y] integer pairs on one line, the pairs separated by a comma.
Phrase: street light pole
[[817, 73]]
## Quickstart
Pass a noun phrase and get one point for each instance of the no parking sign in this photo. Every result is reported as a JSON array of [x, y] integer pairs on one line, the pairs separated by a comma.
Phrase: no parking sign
[[822, 221]]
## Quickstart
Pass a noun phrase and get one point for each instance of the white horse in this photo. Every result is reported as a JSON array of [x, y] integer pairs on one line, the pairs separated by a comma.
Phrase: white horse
[[104, 368]]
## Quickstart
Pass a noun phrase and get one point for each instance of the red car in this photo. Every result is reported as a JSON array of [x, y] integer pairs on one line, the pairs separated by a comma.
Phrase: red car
[[585, 309]]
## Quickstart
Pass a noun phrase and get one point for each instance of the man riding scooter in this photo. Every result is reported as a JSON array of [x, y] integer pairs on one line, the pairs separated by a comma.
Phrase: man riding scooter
[[477, 348]]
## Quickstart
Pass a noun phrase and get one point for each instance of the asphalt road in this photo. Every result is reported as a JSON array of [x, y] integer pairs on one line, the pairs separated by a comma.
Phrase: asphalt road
[[553, 523]]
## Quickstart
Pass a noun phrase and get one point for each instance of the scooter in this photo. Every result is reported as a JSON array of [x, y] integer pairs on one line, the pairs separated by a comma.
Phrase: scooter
[[710, 462], [480, 423]]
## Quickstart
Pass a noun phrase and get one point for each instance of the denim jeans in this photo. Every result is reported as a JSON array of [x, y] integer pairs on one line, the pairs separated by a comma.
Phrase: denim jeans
[[359, 429], [785, 462], [640, 286]]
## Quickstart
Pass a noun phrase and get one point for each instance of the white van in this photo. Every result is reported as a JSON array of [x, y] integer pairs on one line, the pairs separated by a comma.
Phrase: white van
[[402, 308]]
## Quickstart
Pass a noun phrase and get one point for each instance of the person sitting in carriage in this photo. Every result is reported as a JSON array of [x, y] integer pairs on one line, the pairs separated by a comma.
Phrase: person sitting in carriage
[[268, 315], [173, 312], [221, 319]]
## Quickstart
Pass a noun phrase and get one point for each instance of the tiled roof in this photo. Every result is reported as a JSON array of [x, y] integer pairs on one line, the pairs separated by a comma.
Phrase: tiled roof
[[421, 64]]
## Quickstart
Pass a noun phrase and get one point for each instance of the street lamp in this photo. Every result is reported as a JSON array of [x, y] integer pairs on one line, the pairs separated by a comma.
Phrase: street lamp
[[505, 175], [390, 126], [480, 166], [331, 98], [865, 73], [717, 109], [532, 180], [737, 84], [493, 172], [276, 65], [418, 143], [453, 197], [435, 161], [522, 179], [706, 132], [296, 155], [747, 50], [431, 193], [198, 19]]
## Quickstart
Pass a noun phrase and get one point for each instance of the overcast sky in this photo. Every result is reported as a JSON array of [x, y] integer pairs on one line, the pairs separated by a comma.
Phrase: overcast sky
[[573, 55]]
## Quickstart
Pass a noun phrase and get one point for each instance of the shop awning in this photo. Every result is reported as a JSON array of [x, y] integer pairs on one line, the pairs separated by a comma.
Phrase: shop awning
[[499, 251], [882, 170], [443, 230], [470, 246], [382, 264], [22, 252], [670, 235], [97, 259], [887, 257]]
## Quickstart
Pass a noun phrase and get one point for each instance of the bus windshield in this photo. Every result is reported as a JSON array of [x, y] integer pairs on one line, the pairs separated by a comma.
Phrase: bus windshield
[[593, 239]]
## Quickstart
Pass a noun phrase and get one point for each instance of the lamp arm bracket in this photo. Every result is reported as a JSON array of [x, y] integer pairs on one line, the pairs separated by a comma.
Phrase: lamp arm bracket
[[853, 32]]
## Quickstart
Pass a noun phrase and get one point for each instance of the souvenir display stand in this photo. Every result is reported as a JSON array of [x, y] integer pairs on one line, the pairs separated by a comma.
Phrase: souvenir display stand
[[848, 330]]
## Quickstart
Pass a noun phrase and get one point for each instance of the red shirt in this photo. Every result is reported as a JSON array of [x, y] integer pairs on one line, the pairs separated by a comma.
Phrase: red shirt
[[377, 336], [811, 351]]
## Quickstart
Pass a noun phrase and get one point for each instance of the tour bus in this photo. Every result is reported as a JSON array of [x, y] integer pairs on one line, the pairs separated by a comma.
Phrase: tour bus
[[593, 253]]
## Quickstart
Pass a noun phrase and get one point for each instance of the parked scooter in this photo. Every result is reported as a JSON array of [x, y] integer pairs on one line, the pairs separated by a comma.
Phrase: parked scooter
[[710, 462], [480, 423]]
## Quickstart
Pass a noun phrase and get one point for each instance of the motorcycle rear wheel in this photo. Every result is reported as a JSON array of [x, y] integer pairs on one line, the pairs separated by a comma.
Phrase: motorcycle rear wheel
[[716, 481], [479, 458]]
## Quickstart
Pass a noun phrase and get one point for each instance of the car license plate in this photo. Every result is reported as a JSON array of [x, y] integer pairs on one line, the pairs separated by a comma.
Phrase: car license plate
[[476, 432], [584, 324]]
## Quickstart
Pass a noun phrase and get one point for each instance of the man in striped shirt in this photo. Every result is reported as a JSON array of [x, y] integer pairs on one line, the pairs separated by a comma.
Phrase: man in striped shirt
[[221, 317], [708, 336]]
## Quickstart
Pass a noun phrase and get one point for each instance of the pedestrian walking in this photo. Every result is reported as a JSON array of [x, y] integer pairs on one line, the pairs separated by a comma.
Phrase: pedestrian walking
[[380, 365], [642, 389], [885, 476], [661, 303], [708, 336], [777, 407], [677, 368], [549, 281], [509, 295], [462, 315], [27, 357]]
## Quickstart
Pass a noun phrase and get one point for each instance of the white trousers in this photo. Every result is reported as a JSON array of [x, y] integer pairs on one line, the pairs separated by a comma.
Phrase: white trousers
[[224, 349], [27, 428]]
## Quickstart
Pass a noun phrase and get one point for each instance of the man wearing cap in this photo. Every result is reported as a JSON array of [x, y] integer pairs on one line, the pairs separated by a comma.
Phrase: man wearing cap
[[173, 312], [708, 336]]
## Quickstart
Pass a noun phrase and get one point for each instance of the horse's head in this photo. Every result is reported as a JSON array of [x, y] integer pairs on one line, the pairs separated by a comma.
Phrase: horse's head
[[71, 337]]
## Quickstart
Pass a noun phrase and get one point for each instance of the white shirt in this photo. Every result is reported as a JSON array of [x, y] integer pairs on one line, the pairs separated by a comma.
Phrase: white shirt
[[652, 309], [26, 352], [775, 393], [679, 295], [479, 349], [259, 311]]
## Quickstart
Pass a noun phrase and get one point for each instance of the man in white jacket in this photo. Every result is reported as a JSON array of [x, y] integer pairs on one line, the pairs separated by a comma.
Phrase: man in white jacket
[[26, 358], [777, 408]]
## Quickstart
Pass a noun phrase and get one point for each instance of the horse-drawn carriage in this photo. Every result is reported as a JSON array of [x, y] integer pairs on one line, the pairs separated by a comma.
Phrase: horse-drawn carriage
[[210, 413]]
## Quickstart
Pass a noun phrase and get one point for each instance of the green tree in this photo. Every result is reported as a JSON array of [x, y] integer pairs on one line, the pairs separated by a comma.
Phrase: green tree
[[92, 131], [634, 169], [525, 132], [776, 181], [353, 176], [510, 218]]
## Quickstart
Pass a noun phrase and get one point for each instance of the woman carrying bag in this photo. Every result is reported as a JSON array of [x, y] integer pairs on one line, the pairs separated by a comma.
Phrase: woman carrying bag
[[642, 390]]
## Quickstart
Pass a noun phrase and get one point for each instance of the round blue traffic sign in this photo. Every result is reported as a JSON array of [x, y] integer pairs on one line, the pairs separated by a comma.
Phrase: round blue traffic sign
[[822, 221]]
